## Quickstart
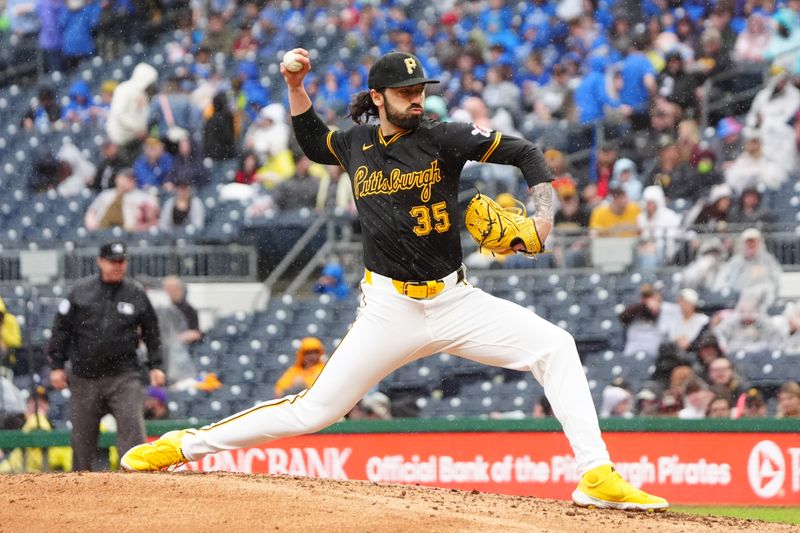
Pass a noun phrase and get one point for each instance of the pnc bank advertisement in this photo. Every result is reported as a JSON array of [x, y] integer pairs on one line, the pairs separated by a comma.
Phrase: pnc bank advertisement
[[685, 468]]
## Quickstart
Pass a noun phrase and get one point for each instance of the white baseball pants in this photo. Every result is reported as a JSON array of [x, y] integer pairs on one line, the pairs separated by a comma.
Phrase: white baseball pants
[[391, 330]]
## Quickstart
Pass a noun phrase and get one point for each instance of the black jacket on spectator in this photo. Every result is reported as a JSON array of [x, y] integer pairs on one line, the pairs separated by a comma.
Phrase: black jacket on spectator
[[219, 141], [188, 170], [43, 174], [97, 327], [106, 171]]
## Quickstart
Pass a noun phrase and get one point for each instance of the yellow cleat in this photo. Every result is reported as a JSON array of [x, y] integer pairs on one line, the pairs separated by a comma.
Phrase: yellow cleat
[[604, 487], [164, 453]]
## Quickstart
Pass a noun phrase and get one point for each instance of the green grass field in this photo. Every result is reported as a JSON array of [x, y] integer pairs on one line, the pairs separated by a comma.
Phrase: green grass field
[[786, 515]]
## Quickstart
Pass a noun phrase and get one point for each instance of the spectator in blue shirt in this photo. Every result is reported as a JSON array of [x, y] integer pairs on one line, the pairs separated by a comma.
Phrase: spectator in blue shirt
[[50, 34], [591, 96], [638, 80], [78, 19], [153, 165], [80, 100]]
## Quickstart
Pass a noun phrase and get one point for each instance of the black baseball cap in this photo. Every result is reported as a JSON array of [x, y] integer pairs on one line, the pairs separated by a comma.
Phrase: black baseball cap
[[113, 251], [397, 69]]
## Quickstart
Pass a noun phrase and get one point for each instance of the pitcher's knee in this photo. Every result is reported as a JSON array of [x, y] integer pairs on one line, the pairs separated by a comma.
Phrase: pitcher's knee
[[315, 417]]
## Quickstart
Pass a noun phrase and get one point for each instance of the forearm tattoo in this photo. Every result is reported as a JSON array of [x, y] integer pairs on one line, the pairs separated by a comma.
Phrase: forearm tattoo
[[542, 194]]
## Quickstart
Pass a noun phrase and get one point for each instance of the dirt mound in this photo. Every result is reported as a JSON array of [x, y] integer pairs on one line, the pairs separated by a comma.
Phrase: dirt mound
[[196, 502]]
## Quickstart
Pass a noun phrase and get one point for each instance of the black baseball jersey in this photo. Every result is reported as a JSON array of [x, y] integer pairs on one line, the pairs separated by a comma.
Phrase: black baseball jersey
[[406, 186]]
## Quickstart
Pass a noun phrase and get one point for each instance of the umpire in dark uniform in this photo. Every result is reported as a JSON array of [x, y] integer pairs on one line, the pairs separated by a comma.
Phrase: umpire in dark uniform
[[98, 328]]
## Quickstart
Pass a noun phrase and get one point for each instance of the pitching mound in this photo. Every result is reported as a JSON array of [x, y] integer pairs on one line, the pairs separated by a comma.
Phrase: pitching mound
[[196, 502]]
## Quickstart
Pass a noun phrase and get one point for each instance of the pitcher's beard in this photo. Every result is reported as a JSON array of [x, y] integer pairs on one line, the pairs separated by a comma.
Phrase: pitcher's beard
[[402, 120]]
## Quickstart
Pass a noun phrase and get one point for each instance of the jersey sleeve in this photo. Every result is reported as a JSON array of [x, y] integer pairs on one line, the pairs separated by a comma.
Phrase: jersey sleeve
[[470, 142], [316, 139]]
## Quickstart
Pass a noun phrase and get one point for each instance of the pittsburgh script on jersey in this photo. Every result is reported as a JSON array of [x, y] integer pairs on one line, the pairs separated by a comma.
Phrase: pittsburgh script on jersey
[[366, 183]]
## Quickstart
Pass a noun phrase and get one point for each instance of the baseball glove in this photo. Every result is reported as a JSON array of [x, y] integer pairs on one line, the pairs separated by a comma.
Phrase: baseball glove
[[499, 229]]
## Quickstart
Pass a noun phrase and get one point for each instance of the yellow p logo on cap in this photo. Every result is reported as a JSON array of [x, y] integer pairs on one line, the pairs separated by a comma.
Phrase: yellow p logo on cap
[[410, 65]]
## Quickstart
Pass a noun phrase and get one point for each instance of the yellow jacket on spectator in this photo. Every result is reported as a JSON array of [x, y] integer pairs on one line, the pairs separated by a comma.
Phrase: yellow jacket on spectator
[[31, 459], [10, 333], [607, 223]]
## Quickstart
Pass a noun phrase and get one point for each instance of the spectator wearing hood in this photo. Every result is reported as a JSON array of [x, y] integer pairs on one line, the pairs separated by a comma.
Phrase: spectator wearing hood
[[773, 108], [591, 96], [331, 281], [711, 214], [625, 177], [46, 112], [616, 402], [747, 328], [701, 273], [78, 171], [219, 137], [268, 137], [80, 103], [78, 19], [752, 43], [130, 108], [152, 167], [659, 229], [187, 165], [310, 359], [753, 269]]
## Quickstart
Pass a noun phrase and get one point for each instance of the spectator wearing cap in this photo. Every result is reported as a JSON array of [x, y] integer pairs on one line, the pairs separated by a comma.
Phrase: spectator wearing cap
[[155, 404], [152, 166], [727, 145], [98, 328], [308, 364], [682, 323], [616, 217], [753, 269], [182, 209], [675, 85], [753, 168], [659, 230], [789, 400], [110, 164], [643, 322], [124, 206]]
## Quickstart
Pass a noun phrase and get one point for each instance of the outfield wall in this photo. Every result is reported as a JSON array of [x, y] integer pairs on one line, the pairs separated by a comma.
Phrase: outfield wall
[[753, 462]]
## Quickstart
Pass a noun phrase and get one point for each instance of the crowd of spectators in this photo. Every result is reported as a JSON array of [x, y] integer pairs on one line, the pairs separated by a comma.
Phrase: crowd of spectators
[[549, 71]]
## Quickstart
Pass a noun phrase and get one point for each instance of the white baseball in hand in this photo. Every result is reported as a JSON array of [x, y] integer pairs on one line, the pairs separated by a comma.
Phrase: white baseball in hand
[[291, 63]]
